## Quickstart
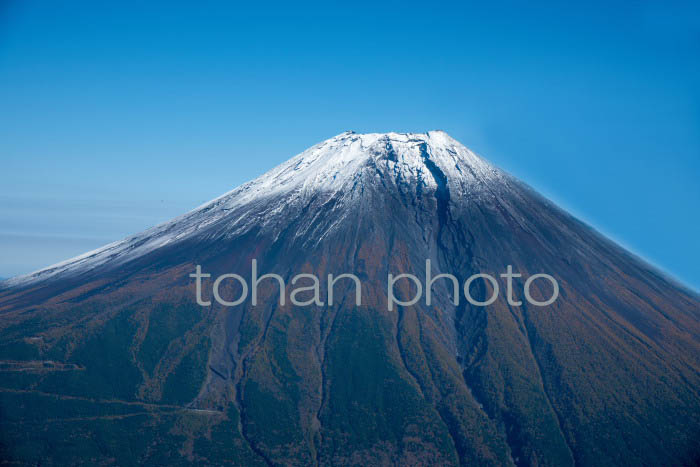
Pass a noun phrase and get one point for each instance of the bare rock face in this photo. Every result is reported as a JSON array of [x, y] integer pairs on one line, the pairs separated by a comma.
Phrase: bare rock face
[[108, 358]]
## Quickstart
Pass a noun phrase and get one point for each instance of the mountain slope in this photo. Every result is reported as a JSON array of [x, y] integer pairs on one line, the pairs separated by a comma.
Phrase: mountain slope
[[606, 374]]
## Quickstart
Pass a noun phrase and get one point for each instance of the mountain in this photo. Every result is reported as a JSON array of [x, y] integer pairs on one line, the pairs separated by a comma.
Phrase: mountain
[[107, 357]]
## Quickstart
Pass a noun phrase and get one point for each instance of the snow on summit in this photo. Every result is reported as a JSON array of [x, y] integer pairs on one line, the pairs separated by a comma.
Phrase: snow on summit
[[330, 164]]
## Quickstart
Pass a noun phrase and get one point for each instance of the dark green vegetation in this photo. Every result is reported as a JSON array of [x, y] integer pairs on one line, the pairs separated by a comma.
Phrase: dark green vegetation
[[152, 381]]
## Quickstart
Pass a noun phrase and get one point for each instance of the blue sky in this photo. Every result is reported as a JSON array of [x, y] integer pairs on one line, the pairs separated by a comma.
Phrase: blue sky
[[117, 117]]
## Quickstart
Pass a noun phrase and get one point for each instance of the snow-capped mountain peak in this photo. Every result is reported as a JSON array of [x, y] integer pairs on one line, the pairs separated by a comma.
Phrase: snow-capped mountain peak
[[339, 167], [331, 164]]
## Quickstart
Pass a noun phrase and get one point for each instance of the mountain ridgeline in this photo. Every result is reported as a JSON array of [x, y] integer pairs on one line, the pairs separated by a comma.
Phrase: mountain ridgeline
[[107, 357]]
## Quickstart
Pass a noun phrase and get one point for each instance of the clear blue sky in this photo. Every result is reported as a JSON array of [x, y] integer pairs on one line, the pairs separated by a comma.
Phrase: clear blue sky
[[115, 118]]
